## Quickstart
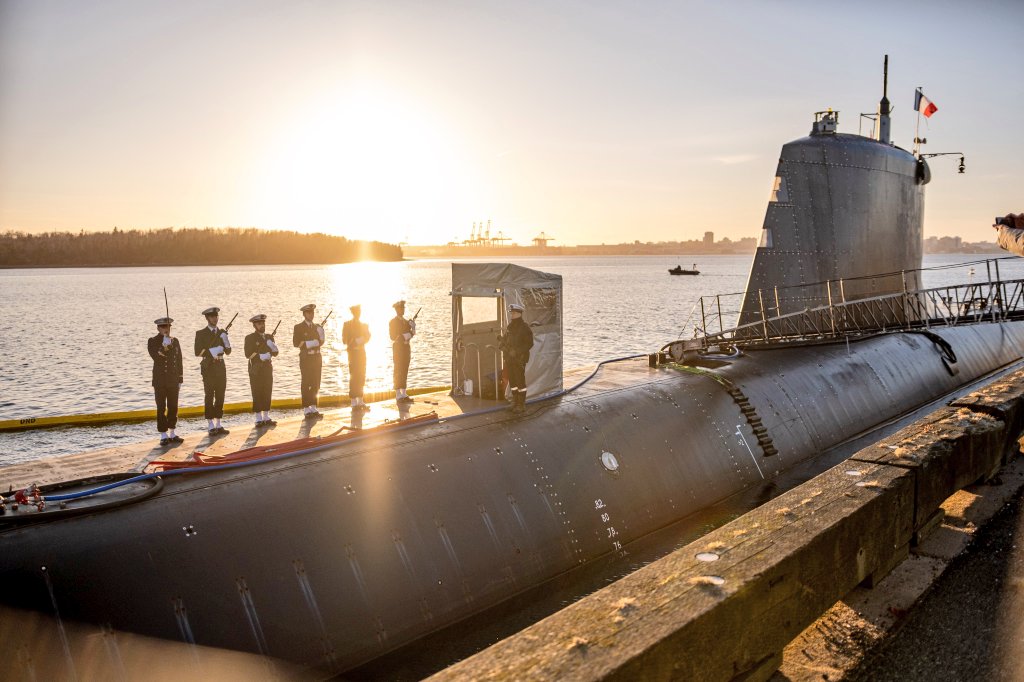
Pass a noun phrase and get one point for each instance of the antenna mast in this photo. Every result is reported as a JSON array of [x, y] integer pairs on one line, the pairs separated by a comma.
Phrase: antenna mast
[[883, 106]]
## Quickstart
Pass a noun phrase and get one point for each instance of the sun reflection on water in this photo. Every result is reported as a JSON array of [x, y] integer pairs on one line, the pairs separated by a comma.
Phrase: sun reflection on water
[[375, 287]]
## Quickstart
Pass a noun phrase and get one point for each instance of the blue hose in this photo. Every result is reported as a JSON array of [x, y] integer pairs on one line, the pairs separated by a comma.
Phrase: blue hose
[[272, 458]]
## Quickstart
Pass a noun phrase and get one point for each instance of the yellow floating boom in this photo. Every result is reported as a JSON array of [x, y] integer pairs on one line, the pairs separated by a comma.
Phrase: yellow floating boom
[[187, 412]]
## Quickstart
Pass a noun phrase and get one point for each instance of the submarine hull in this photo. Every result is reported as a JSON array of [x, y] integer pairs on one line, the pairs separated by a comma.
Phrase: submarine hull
[[334, 557]]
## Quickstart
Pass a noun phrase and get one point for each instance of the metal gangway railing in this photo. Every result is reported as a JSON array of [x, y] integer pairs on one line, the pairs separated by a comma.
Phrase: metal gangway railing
[[833, 316]]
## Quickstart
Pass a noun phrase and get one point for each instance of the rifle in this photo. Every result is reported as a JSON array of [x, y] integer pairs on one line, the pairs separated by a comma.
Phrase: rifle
[[167, 307], [327, 318], [230, 323], [275, 329], [417, 314]]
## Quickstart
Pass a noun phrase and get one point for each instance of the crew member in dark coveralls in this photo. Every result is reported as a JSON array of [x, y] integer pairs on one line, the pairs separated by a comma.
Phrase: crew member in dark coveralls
[[401, 331], [212, 344], [355, 334], [167, 377], [260, 349], [515, 349], [308, 337]]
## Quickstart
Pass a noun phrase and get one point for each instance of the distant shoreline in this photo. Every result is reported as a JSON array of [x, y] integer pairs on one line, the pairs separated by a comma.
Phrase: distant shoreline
[[54, 266]]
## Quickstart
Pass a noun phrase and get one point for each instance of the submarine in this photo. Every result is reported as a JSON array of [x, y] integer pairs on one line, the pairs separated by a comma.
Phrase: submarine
[[332, 552]]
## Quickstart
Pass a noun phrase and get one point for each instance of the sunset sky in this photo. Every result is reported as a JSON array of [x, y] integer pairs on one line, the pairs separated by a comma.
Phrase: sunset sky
[[593, 121]]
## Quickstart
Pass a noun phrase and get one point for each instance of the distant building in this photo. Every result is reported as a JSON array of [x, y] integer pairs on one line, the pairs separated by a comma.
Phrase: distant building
[[709, 238]]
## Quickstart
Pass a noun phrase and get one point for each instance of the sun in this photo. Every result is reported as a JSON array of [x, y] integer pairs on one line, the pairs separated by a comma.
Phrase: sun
[[366, 165]]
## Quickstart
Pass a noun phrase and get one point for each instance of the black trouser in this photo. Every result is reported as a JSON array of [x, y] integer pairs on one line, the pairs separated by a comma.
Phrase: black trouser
[[310, 366], [401, 352], [356, 372], [516, 374], [261, 383], [166, 406], [215, 382]]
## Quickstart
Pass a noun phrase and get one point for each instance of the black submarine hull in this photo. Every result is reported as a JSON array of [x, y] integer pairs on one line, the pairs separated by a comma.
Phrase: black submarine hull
[[334, 557]]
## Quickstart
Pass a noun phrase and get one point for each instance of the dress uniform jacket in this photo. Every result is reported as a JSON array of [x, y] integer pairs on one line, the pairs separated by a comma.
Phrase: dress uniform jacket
[[167, 363]]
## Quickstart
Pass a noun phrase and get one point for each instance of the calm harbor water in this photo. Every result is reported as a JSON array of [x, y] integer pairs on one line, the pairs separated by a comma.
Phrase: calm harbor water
[[74, 340]]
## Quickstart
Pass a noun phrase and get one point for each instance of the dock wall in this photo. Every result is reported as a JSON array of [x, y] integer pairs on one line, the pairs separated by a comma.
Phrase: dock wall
[[725, 606]]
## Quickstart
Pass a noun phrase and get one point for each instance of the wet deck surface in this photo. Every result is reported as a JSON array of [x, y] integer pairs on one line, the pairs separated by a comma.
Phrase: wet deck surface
[[136, 456]]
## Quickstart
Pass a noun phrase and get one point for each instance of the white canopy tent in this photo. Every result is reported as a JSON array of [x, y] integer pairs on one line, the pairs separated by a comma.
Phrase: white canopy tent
[[481, 294]]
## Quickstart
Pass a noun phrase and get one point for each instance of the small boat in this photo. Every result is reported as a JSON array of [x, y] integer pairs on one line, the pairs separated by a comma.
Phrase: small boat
[[678, 270]]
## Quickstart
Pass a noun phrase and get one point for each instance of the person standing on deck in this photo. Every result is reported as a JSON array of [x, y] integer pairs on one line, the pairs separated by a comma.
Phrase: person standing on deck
[[308, 337], [355, 334], [167, 379], [260, 349], [515, 347], [212, 344], [401, 331]]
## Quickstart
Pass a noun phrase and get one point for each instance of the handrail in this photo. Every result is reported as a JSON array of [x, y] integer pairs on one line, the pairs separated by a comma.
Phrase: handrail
[[945, 306]]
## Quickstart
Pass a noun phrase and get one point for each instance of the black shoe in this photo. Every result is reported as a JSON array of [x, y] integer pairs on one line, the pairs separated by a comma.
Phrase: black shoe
[[260, 424], [213, 431], [269, 422], [222, 431], [405, 399], [310, 415], [317, 415], [176, 439], [165, 442]]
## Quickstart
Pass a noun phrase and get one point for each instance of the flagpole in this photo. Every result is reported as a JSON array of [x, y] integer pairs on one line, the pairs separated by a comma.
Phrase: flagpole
[[917, 125]]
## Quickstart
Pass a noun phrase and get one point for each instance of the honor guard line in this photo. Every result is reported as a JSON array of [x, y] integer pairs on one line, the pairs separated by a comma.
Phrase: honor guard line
[[99, 418]]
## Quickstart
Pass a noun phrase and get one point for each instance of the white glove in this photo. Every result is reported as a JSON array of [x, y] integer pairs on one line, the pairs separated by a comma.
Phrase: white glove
[[168, 341], [216, 351], [320, 333], [264, 356], [407, 336], [412, 326], [272, 346], [225, 339], [359, 341], [312, 344]]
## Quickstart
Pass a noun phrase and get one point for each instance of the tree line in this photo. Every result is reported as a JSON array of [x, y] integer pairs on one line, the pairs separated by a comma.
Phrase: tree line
[[189, 246]]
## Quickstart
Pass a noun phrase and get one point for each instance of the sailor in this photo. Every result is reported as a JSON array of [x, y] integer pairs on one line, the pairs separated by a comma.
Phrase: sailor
[[355, 334], [401, 331], [167, 378], [260, 349], [1010, 232], [308, 337], [212, 344], [515, 347]]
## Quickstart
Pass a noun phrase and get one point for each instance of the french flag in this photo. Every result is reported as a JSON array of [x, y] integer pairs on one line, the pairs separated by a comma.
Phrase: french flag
[[923, 104]]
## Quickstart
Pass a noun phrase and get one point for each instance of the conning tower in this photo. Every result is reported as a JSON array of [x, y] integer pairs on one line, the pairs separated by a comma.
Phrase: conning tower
[[843, 207]]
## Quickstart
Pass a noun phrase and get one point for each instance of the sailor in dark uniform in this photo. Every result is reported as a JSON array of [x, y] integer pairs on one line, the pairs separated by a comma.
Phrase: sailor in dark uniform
[[308, 337], [515, 347], [212, 344], [355, 334], [260, 349], [401, 331], [167, 377]]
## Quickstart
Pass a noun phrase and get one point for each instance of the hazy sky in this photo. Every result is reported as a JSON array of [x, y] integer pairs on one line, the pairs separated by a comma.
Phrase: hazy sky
[[593, 121]]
